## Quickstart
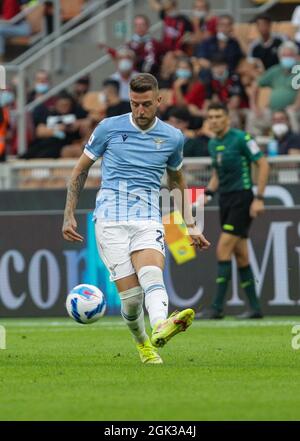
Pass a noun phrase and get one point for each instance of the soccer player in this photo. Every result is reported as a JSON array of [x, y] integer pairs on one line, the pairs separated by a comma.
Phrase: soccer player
[[232, 152], [136, 149]]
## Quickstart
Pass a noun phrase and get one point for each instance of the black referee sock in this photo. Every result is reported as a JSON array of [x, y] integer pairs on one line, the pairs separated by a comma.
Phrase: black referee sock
[[224, 277], [248, 284]]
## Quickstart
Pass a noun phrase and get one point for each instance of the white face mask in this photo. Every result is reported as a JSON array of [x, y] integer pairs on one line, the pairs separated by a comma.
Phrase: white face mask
[[280, 129], [125, 65], [199, 14], [221, 36]]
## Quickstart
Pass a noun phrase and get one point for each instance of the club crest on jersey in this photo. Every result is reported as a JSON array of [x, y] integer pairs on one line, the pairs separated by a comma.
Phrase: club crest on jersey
[[124, 137], [158, 142]]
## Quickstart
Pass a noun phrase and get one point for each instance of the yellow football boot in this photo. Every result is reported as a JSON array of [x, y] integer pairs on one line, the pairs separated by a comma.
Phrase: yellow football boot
[[166, 329], [148, 353]]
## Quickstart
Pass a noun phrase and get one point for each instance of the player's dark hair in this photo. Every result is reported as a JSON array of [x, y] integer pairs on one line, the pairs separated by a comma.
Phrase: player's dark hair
[[143, 82], [218, 106]]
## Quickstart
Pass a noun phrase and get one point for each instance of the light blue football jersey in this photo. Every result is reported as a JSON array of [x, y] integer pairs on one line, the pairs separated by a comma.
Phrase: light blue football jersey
[[133, 162]]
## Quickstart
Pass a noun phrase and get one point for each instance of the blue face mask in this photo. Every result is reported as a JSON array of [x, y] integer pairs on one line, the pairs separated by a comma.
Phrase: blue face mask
[[41, 88], [6, 98], [183, 73], [287, 62], [223, 77]]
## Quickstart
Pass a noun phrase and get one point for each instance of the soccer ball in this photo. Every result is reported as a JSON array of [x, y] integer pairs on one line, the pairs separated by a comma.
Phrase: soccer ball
[[86, 303]]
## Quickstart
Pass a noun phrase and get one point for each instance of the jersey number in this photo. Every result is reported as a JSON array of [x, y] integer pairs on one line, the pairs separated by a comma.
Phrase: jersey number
[[160, 239]]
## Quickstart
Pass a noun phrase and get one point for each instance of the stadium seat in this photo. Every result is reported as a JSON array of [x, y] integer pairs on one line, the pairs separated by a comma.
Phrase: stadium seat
[[286, 28], [246, 33]]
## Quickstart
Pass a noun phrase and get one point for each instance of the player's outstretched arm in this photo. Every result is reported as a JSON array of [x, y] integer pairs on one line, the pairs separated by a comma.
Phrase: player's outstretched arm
[[176, 181], [76, 184]]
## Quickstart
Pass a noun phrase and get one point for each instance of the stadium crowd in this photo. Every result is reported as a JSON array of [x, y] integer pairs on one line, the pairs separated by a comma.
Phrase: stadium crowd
[[200, 59]]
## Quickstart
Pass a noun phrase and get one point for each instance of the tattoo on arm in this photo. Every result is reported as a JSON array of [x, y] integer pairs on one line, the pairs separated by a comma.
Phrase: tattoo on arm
[[175, 179], [75, 186]]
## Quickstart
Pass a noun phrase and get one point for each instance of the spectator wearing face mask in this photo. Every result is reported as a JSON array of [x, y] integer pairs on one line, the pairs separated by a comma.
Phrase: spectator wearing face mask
[[283, 95], [146, 49], [41, 85], [223, 44], [204, 24], [176, 26], [187, 89], [225, 87], [285, 141], [125, 71]]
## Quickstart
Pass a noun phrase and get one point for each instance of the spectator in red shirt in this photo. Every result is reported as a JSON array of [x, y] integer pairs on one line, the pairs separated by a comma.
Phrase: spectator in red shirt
[[176, 26], [188, 90], [9, 9], [204, 24], [146, 48], [226, 87]]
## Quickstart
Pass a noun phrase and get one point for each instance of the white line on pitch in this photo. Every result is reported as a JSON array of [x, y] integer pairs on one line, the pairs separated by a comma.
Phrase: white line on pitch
[[119, 324]]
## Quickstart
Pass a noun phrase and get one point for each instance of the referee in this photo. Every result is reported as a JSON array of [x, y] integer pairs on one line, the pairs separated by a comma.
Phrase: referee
[[232, 152]]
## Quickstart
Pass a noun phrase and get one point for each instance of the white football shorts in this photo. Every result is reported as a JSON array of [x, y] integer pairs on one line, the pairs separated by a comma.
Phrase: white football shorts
[[117, 240]]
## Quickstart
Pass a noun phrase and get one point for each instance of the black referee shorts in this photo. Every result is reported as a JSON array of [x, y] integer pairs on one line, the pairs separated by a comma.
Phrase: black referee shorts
[[235, 212]]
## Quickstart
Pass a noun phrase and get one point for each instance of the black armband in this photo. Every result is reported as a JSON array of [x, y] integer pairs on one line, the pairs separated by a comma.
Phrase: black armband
[[209, 192], [259, 197]]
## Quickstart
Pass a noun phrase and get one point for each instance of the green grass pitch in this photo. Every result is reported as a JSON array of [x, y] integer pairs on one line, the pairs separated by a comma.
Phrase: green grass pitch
[[55, 369]]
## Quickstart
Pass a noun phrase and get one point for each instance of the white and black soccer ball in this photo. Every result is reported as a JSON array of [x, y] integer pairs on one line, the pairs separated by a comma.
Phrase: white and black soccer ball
[[86, 303]]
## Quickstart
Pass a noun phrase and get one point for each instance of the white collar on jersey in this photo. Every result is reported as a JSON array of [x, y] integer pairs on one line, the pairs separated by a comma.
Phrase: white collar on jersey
[[138, 128]]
